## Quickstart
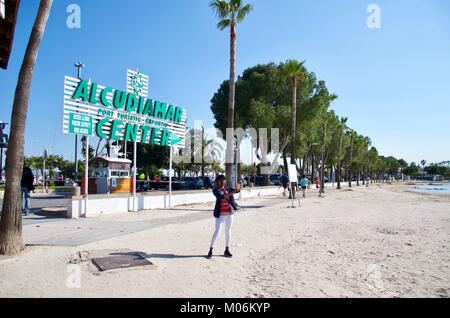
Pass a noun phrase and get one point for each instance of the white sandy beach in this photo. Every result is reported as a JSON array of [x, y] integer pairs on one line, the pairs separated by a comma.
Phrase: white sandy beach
[[379, 241]]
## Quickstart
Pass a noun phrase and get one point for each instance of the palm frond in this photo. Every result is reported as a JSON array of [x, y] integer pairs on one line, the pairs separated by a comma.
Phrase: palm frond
[[221, 8], [235, 5], [293, 68], [223, 24], [243, 12]]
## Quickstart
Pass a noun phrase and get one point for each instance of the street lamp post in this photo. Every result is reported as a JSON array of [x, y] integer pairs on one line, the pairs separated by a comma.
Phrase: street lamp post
[[79, 67]]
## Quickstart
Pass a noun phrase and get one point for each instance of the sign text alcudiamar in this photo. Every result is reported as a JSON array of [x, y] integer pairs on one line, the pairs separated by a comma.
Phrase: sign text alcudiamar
[[130, 116]]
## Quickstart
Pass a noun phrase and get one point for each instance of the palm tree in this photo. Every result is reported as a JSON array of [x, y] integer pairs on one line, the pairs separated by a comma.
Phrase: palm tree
[[423, 163], [83, 148], [11, 241], [229, 13], [293, 69], [352, 134], [342, 130], [362, 143]]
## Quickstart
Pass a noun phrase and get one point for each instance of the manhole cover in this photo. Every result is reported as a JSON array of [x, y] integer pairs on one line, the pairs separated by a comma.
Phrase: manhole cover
[[121, 260]]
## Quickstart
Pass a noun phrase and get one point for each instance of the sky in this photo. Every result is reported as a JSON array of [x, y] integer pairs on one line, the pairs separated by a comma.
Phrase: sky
[[393, 83]]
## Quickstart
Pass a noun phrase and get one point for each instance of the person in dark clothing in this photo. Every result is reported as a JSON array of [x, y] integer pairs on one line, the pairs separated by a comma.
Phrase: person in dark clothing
[[27, 185], [223, 212], [284, 183]]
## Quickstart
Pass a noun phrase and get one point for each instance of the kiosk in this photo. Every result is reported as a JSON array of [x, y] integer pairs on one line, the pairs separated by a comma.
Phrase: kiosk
[[109, 175]]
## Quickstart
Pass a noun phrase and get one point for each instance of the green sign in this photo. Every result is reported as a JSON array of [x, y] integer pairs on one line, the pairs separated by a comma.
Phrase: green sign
[[80, 124], [126, 116]]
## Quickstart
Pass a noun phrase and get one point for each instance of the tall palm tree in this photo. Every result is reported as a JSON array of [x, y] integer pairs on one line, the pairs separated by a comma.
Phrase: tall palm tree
[[352, 134], [11, 241], [368, 144], [342, 130], [293, 69], [229, 14], [423, 163]]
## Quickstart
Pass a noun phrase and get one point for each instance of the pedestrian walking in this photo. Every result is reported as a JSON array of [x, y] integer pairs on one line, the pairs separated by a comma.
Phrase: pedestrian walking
[[285, 183], [304, 184], [27, 186]]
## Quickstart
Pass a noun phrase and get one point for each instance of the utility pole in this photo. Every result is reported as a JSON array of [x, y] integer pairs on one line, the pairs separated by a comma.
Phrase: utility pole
[[79, 67]]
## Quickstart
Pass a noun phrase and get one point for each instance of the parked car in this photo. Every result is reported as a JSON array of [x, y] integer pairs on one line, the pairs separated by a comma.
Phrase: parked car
[[260, 180], [208, 182], [275, 179], [176, 183], [163, 183], [192, 183]]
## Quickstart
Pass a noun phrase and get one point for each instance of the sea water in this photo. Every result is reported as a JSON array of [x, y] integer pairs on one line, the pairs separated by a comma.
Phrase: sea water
[[434, 188]]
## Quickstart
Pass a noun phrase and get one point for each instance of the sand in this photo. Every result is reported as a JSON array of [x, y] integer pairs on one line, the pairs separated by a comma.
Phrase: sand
[[380, 241]]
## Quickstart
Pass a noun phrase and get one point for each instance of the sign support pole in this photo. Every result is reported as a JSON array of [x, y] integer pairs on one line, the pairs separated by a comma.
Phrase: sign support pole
[[86, 177], [170, 176], [1, 162], [43, 176], [134, 176]]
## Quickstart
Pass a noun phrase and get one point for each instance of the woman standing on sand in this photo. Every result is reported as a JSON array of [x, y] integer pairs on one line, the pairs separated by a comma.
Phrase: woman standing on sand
[[223, 212]]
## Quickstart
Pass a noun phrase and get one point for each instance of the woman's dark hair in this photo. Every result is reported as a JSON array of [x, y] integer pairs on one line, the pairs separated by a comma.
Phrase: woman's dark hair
[[303, 176], [220, 178]]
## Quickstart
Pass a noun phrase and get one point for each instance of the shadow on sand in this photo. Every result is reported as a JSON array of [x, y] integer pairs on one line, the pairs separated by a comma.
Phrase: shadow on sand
[[165, 256]]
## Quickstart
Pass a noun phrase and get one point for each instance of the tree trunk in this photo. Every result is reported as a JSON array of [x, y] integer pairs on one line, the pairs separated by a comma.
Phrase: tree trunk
[[322, 164], [308, 164], [231, 97], [285, 163], [339, 161], [358, 175], [350, 177], [294, 120], [363, 175], [11, 241], [293, 127], [331, 175]]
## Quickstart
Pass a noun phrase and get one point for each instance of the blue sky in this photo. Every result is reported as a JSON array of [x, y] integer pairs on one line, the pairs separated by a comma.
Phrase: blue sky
[[393, 83]]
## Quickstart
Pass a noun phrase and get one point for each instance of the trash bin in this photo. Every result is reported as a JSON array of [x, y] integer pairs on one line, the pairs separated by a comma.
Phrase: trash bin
[[76, 191]]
